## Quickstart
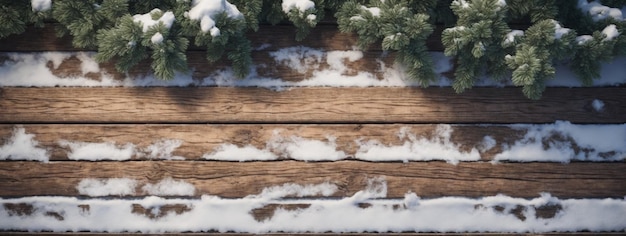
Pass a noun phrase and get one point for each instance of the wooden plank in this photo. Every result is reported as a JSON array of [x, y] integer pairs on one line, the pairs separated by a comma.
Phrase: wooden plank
[[306, 105], [200, 67], [325, 36], [198, 140], [426, 179]]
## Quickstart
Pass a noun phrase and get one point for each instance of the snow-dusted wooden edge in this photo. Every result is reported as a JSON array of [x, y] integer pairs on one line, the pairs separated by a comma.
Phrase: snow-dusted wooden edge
[[307, 105], [314, 142], [240, 179]]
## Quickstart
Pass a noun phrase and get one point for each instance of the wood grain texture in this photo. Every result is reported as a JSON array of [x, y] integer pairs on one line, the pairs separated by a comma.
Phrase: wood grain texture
[[325, 36], [266, 66], [306, 105], [426, 179], [198, 140]]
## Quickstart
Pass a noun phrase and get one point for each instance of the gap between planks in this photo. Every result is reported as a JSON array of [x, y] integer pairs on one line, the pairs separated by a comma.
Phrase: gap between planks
[[240, 179]]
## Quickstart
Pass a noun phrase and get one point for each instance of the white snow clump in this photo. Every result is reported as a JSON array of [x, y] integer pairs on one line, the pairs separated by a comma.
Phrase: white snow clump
[[40, 5], [301, 5], [170, 187], [146, 21], [205, 11], [106, 187], [23, 146]]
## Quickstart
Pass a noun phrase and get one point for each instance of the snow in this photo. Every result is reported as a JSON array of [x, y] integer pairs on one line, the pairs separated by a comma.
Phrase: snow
[[106, 187], [205, 11], [600, 12], [98, 151], [162, 149], [559, 31], [231, 152], [88, 65], [565, 142], [558, 142], [610, 32], [303, 149], [23, 146], [462, 3], [146, 21], [487, 144], [157, 38], [583, 39], [170, 187], [41, 5], [598, 105], [296, 190], [375, 11], [318, 68], [311, 17], [31, 69], [298, 58], [301, 5], [411, 213], [292, 147], [510, 37], [438, 147]]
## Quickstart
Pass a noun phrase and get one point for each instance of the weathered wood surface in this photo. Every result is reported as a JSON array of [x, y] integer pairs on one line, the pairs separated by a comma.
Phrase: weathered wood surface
[[198, 140], [426, 179], [306, 105], [325, 36], [266, 66]]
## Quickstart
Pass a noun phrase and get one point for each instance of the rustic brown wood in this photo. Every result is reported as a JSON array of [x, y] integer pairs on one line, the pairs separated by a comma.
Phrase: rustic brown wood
[[200, 67], [306, 105], [426, 179], [198, 140], [325, 36]]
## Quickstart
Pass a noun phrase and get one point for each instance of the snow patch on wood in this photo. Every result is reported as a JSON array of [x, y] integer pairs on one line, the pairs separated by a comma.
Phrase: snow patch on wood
[[365, 211], [23, 146]]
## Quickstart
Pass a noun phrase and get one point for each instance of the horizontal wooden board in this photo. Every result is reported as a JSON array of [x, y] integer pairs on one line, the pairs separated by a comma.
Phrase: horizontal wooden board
[[325, 36], [201, 139], [266, 66], [306, 105], [426, 179]]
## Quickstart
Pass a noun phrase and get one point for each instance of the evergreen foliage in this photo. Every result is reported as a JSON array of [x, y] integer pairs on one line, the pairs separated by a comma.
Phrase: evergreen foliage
[[536, 10], [144, 6], [83, 18], [130, 31], [600, 40], [399, 27], [542, 44], [590, 53], [251, 10], [230, 36], [476, 41], [304, 20], [16, 15]]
